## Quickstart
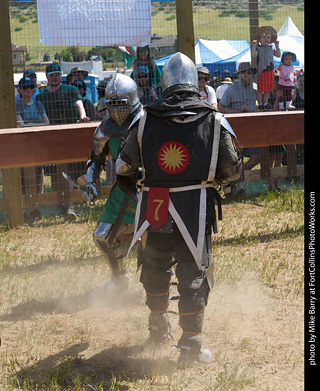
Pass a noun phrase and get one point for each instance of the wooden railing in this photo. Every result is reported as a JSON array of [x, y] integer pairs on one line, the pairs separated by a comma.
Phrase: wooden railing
[[28, 147]]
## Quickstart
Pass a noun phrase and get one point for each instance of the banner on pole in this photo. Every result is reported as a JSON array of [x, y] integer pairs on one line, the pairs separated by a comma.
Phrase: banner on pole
[[94, 23]]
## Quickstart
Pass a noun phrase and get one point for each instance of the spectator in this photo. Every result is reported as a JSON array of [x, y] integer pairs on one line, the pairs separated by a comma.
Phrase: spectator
[[241, 97], [63, 105], [222, 87], [61, 101], [286, 80], [102, 107], [298, 102], [32, 75], [146, 92], [76, 74], [30, 113], [207, 92], [88, 105], [264, 53], [298, 92], [79, 74], [144, 58]]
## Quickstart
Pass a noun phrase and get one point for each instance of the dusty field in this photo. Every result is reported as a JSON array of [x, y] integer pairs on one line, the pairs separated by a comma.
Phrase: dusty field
[[54, 338]]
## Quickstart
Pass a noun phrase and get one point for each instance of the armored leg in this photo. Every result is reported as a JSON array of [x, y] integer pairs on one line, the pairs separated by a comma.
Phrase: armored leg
[[193, 288], [155, 277], [111, 251]]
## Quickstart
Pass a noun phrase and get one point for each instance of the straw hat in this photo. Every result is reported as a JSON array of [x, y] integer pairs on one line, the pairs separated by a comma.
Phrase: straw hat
[[227, 80], [266, 29]]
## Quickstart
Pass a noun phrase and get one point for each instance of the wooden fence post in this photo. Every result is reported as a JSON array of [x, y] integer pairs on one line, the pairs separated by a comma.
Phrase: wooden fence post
[[185, 28], [11, 176]]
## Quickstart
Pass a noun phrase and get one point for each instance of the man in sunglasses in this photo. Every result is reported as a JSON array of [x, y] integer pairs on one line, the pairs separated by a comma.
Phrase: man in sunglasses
[[207, 92], [241, 97]]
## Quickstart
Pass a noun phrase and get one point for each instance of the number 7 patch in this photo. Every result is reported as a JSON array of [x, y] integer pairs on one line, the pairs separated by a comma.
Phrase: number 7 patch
[[157, 206]]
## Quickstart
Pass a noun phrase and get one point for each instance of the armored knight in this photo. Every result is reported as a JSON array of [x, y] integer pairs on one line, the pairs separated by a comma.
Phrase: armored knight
[[176, 144], [123, 106]]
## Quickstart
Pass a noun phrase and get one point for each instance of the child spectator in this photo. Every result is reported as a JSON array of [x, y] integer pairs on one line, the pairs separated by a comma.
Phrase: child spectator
[[264, 53], [286, 80]]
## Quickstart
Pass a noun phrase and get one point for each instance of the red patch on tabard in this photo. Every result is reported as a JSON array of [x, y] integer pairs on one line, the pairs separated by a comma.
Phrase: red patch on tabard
[[173, 157]]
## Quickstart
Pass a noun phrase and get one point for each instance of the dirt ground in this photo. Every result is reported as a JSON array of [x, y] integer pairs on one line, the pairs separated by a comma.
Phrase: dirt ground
[[55, 331]]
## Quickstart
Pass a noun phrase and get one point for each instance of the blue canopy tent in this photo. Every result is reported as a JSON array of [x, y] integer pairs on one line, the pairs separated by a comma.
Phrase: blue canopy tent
[[215, 54]]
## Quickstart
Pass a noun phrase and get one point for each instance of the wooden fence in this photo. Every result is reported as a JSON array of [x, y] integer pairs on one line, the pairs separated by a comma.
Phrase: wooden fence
[[28, 147]]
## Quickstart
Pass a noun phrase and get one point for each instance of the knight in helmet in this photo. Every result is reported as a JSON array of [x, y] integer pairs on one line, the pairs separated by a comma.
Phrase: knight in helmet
[[176, 144], [123, 107]]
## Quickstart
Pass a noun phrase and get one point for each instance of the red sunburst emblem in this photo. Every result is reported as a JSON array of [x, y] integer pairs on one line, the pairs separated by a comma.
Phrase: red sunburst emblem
[[173, 157]]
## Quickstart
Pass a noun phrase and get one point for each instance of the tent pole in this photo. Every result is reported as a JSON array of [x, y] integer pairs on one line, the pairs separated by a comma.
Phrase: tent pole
[[253, 24]]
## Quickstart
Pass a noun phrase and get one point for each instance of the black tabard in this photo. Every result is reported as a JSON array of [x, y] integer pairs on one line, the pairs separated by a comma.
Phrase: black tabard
[[176, 154]]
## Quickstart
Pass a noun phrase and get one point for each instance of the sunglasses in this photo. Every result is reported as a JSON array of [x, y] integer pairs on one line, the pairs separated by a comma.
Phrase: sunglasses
[[246, 72], [205, 78], [31, 87], [142, 76]]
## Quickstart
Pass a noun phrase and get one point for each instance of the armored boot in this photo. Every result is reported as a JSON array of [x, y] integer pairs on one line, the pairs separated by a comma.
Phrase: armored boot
[[191, 351], [194, 290], [159, 329]]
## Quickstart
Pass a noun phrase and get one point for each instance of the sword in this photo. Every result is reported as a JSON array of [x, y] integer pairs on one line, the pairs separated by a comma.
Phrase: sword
[[80, 187]]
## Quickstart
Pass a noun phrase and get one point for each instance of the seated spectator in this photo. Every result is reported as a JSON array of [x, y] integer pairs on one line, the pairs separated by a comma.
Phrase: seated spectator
[[88, 105], [241, 97], [146, 91], [222, 87], [207, 92], [32, 75]]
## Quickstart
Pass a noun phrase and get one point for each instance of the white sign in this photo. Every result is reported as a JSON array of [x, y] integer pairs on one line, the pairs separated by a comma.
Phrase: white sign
[[94, 22]]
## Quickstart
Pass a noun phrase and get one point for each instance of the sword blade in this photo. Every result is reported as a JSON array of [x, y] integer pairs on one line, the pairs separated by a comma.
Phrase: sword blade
[[74, 183]]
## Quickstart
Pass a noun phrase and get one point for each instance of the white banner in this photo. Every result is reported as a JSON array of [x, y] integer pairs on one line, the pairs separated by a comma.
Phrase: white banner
[[94, 22]]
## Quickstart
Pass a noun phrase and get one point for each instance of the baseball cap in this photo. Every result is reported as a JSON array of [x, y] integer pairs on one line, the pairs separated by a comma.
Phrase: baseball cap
[[26, 81], [142, 69], [53, 68], [29, 72]]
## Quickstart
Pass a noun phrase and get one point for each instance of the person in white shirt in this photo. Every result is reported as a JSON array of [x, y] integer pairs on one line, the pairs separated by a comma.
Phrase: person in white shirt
[[222, 87], [207, 92]]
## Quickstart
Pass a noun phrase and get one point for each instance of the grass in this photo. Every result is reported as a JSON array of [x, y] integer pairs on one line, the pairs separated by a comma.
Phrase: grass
[[52, 339]]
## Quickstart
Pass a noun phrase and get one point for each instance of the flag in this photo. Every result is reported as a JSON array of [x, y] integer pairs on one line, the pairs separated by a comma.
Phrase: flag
[[128, 54], [94, 23]]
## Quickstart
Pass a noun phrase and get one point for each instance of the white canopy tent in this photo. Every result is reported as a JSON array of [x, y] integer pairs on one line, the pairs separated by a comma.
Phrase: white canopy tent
[[291, 40]]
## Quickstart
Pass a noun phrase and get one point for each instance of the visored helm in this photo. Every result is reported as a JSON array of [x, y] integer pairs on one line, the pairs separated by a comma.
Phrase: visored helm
[[121, 98], [179, 69]]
